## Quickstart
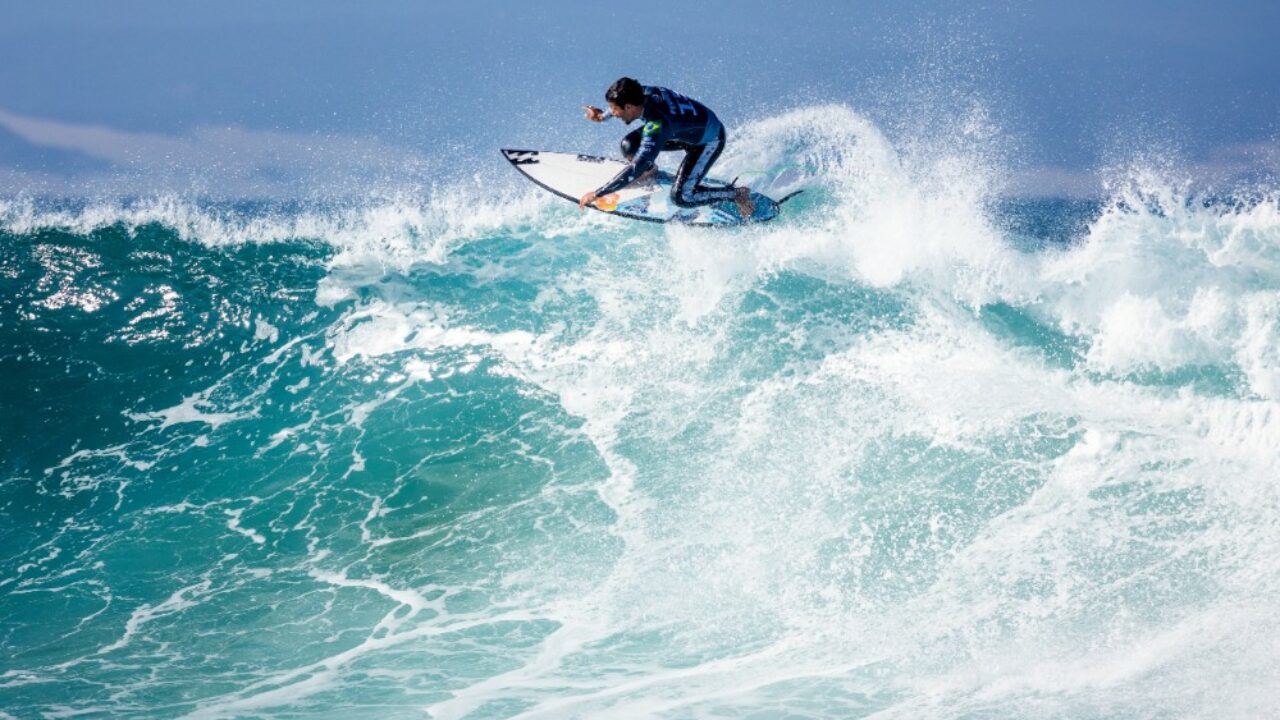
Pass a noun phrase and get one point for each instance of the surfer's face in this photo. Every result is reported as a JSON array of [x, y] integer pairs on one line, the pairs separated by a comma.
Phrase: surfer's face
[[626, 113]]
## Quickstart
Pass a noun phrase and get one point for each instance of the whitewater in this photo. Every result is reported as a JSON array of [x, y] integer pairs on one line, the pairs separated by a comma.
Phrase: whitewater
[[912, 450]]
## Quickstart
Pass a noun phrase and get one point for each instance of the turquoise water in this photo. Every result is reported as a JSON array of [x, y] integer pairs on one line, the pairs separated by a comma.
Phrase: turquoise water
[[907, 452]]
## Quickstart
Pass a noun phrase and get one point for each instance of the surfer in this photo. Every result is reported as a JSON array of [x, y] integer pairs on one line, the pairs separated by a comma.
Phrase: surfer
[[671, 121]]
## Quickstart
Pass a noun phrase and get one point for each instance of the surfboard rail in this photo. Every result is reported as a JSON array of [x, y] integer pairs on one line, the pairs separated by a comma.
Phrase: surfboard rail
[[571, 175]]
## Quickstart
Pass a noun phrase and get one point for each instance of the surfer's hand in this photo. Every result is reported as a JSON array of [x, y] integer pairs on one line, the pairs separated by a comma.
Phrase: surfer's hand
[[593, 113], [586, 200]]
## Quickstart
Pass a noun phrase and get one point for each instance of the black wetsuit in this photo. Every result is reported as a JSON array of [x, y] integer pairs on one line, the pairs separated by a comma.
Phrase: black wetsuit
[[671, 121]]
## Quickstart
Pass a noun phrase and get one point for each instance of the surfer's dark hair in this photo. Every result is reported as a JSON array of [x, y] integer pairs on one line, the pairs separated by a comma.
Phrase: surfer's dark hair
[[625, 91]]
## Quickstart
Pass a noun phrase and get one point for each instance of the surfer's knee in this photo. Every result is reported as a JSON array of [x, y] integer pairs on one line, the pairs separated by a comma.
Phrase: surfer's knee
[[630, 143], [682, 196]]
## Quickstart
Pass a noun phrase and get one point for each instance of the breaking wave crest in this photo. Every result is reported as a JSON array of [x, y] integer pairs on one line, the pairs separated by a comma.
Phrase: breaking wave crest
[[912, 450]]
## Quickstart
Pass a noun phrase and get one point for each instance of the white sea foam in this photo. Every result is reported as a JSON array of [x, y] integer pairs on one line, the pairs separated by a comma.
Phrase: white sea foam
[[389, 232], [180, 600], [914, 516], [190, 410], [1162, 281], [1157, 281]]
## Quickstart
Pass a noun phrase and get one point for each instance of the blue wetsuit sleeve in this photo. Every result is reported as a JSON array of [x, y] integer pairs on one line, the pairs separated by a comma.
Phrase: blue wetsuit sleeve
[[652, 138]]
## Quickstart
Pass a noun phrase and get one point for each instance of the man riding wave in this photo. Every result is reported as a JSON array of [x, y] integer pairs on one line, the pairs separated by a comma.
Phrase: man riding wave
[[671, 121]]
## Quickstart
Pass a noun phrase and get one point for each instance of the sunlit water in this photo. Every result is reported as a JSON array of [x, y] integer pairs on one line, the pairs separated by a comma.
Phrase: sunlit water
[[907, 452]]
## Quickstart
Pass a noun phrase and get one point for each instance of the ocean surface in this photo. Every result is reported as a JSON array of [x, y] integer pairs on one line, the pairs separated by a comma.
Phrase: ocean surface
[[913, 450]]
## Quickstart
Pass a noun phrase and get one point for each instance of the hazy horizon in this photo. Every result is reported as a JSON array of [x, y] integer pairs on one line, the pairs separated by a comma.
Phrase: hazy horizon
[[295, 98]]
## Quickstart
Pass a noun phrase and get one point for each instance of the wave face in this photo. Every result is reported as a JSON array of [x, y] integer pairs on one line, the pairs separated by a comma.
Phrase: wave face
[[907, 452]]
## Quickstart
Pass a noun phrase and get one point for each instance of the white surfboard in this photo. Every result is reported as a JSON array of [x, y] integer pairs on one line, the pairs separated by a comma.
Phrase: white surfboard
[[572, 175]]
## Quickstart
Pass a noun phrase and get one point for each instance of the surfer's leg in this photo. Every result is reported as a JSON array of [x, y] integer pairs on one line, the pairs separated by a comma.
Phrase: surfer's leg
[[686, 192]]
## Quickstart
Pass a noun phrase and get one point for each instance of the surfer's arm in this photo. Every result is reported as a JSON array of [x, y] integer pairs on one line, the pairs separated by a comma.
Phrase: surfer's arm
[[595, 114], [653, 138]]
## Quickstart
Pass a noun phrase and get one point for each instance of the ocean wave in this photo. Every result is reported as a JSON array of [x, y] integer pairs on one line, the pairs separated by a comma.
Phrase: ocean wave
[[892, 453]]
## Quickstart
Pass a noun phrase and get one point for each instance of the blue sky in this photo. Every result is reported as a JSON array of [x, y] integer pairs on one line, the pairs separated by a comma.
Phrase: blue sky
[[276, 97]]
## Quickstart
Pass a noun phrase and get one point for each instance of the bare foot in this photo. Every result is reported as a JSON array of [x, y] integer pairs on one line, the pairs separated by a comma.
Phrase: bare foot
[[746, 206], [647, 175]]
